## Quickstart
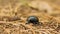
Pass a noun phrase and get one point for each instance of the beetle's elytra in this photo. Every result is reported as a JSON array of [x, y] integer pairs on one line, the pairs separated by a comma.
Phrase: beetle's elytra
[[32, 19]]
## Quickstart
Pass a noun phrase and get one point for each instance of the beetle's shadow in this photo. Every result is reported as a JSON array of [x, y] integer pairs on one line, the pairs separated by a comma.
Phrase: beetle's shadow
[[36, 24]]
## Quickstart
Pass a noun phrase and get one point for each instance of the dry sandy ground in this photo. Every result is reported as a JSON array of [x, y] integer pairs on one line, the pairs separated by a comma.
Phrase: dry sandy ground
[[13, 15]]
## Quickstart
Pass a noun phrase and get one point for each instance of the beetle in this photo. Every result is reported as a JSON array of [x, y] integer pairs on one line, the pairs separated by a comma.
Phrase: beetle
[[33, 20]]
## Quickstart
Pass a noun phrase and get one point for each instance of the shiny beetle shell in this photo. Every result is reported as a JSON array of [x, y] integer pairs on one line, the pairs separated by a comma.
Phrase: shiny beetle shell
[[32, 19]]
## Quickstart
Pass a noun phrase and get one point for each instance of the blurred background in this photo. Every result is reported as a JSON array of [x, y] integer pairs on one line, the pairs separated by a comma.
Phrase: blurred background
[[13, 15]]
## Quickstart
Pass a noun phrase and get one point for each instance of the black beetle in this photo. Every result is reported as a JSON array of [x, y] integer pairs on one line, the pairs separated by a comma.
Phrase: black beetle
[[32, 19]]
